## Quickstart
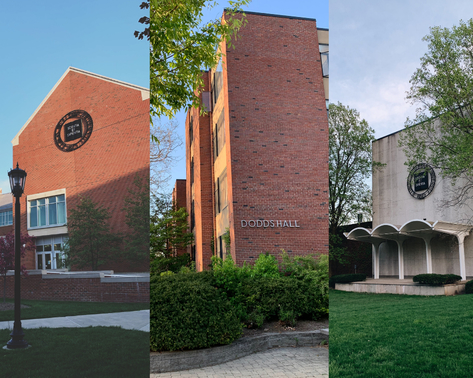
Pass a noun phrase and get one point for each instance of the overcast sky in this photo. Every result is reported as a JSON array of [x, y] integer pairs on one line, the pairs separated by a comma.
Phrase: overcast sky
[[40, 39], [375, 47], [317, 9]]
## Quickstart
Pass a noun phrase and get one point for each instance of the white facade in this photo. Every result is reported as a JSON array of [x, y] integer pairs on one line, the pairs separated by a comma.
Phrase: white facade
[[413, 235]]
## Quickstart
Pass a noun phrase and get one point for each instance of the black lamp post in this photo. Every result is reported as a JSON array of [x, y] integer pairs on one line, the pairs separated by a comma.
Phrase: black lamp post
[[17, 184]]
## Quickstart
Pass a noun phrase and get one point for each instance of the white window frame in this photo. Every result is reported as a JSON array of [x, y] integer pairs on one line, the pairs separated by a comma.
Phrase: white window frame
[[6, 212], [44, 195]]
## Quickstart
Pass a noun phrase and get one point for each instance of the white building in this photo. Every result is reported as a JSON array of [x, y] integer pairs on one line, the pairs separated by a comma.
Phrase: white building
[[413, 231]]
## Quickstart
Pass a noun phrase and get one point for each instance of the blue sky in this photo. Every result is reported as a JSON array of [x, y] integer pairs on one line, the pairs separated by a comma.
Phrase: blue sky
[[41, 39], [317, 9], [376, 46]]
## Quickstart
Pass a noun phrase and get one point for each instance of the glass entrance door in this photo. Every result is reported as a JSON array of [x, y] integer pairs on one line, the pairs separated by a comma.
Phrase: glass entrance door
[[48, 252]]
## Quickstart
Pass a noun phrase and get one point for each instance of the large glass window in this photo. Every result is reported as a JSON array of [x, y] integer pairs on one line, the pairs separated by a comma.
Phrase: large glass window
[[50, 211], [6, 218]]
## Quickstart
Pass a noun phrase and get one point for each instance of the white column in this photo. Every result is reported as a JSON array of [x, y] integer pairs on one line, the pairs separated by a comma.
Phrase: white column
[[375, 249], [461, 251], [400, 257], [428, 253]]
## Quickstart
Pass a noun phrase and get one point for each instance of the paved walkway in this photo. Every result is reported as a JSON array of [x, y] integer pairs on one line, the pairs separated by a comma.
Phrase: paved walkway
[[138, 320], [274, 363]]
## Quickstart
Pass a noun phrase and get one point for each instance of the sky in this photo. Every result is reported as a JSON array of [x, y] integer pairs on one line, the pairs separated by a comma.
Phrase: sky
[[317, 9], [40, 39], [376, 46]]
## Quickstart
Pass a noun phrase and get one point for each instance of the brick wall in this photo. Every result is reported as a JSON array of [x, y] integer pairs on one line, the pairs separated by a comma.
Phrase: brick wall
[[277, 155], [105, 166], [34, 286]]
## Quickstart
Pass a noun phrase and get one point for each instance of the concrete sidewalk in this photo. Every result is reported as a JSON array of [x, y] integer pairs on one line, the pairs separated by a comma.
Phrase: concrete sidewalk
[[137, 320]]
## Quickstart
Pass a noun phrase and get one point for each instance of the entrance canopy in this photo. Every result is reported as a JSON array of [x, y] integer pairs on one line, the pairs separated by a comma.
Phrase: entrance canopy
[[415, 228]]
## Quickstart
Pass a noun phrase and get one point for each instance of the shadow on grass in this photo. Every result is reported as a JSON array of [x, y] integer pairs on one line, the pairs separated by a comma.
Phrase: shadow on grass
[[77, 352]]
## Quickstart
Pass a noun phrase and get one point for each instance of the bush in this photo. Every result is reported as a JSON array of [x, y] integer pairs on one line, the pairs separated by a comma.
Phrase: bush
[[160, 264], [283, 298], [186, 312], [436, 279], [266, 265], [469, 287], [346, 278]]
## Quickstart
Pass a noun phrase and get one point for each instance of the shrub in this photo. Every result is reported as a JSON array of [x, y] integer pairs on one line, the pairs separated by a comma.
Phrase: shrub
[[346, 278], [186, 312], [160, 264], [266, 265], [434, 279], [469, 287]]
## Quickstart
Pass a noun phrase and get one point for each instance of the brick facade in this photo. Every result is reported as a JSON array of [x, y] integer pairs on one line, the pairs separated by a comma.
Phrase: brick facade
[[276, 145], [105, 167]]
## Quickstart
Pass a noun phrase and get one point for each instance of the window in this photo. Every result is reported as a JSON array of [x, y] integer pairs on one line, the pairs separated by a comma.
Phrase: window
[[48, 252], [221, 193], [6, 218], [47, 212], [217, 82], [191, 130], [219, 135], [324, 58]]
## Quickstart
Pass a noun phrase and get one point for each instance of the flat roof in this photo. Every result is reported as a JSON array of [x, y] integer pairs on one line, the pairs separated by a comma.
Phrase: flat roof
[[279, 15]]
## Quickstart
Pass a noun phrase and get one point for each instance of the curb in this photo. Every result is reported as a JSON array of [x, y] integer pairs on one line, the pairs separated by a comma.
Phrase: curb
[[163, 362]]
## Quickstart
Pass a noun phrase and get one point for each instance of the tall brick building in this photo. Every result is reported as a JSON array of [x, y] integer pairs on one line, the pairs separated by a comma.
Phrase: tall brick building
[[88, 138], [257, 162]]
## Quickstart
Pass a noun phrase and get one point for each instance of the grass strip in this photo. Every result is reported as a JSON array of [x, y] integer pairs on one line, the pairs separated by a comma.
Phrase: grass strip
[[386, 335], [52, 309], [77, 352]]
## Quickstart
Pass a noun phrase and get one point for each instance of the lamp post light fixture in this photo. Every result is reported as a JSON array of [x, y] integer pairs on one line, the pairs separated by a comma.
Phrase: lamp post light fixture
[[17, 184]]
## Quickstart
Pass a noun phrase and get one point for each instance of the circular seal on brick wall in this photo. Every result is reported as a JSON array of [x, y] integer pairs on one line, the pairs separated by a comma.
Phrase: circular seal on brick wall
[[73, 130], [421, 181]]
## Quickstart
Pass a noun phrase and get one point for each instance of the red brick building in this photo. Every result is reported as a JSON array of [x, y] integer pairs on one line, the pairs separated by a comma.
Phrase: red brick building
[[88, 138], [257, 162]]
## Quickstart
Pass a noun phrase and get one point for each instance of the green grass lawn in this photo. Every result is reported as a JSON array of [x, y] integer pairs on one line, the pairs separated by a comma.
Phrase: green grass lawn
[[52, 309], [385, 335], [77, 352]]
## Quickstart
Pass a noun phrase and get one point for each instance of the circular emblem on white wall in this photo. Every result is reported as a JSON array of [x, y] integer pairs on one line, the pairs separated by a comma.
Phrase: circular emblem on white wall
[[73, 130], [421, 181]]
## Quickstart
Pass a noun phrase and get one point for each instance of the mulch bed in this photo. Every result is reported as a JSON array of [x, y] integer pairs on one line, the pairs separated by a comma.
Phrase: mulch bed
[[278, 327]]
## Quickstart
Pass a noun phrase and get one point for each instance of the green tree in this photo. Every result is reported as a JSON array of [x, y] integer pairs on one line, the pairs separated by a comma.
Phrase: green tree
[[136, 208], [441, 133], [181, 46], [350, 165], [91, 243], [168, 233]]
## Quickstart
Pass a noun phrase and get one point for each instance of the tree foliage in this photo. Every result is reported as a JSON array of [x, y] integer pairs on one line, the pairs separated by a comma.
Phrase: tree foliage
[[7, 254], [136, 208], [350, 165], [168, 233], [441, 134], [181, 46], [90, 243]]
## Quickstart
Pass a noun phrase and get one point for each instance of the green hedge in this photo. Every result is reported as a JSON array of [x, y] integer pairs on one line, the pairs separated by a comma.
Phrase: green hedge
[[186, 312], [346, 278], [434, 279], [469, 287]]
